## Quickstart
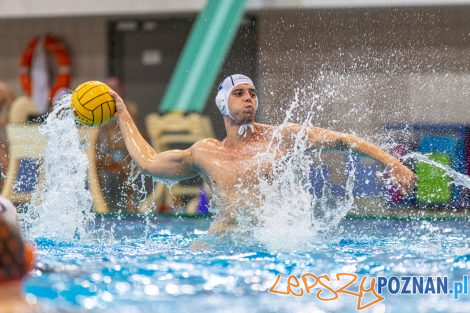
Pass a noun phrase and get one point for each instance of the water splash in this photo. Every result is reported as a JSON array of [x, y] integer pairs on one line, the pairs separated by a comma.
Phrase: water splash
[[61, 207], [291, 216], [281, 212]]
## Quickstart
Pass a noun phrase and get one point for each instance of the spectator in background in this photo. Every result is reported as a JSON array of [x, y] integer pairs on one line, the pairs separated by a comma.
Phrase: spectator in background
[[16, 261], [113, 160], [6, 100]]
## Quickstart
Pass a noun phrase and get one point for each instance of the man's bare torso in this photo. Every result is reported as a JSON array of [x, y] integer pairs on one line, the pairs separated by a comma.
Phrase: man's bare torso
[[233, 171]]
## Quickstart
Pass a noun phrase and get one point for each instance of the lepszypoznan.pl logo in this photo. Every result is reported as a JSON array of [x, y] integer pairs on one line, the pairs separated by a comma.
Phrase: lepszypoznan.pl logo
[[329, 290]]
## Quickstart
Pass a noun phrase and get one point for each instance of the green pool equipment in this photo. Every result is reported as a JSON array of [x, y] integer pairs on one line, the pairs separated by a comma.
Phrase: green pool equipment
[[433, 184]]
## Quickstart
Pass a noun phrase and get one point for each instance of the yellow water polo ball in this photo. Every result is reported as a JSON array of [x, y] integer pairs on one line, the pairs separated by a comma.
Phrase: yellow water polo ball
[[92, 103]]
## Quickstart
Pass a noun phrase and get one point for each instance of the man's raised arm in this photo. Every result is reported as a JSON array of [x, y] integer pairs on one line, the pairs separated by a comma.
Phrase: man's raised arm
[[401, 175], [173, 164]]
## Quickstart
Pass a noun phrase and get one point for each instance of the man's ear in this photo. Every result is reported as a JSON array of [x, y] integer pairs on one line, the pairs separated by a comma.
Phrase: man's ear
[[29, 257]]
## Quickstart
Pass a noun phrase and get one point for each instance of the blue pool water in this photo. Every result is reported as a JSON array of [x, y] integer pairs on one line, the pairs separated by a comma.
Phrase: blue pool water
[[154, 269]]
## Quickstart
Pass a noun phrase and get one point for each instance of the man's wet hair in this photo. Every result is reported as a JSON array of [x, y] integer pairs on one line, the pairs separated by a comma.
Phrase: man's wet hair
[[12, 252]]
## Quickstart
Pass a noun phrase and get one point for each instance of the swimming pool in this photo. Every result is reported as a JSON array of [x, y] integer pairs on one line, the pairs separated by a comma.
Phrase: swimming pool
[[159, 272]]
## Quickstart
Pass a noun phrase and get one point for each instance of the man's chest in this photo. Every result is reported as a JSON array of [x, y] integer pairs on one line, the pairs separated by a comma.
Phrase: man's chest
[[229, 170]]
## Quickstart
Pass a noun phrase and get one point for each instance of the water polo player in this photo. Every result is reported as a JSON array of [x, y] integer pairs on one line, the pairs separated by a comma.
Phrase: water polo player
[[229, 166]]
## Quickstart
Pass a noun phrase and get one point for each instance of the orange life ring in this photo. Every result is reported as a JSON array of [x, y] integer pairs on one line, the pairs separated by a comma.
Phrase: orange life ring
[[55, 47]]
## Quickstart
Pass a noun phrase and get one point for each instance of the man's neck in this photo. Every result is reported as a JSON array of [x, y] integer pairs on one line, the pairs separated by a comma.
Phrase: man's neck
[[233, 136]]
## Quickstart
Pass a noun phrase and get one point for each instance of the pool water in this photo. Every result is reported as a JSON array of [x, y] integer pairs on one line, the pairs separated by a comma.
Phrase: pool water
[[153, 268]]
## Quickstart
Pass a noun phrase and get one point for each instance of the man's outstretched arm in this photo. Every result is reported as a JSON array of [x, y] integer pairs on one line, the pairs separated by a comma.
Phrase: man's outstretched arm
[[173, 164], [401, 176]]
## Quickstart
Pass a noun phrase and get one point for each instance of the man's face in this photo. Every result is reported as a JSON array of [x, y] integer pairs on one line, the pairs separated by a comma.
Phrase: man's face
[[243, 103]]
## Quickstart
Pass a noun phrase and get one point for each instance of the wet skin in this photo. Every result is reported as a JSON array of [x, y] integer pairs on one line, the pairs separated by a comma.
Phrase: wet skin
[[230, 167]]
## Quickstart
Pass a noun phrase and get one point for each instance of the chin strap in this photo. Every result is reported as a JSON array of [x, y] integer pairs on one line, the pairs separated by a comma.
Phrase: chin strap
[[243, 130]]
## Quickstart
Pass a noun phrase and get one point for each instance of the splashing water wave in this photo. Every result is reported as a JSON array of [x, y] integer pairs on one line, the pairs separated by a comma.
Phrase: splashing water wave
[[287, 215], [61, 209]]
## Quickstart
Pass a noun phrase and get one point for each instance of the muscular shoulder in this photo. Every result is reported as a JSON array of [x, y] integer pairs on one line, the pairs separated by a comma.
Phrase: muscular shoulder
[[205, 143], [203, 150], [291, 129], [291, 132], [203, 146]]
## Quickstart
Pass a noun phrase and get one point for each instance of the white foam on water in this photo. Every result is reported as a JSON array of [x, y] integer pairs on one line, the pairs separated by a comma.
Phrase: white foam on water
[[61, 209], [291, 216]]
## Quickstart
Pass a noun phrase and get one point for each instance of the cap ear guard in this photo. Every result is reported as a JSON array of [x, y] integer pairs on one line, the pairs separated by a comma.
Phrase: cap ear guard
[[220, 101]]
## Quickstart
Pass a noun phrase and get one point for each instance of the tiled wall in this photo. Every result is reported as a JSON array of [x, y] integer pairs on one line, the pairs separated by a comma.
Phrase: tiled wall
[[85, 38]]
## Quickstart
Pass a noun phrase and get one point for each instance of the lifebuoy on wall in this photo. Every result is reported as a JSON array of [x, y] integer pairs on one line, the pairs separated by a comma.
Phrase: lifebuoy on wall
[[61, 56]]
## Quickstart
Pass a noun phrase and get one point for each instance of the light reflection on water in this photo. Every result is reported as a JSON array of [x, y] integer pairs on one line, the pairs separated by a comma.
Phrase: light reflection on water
[[162, 273]]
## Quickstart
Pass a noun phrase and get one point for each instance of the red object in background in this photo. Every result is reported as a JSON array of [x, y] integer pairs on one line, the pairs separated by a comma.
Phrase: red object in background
[[61, 56]]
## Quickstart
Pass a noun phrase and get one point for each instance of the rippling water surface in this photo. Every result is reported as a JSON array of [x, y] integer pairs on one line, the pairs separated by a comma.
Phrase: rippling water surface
[[154, 269]]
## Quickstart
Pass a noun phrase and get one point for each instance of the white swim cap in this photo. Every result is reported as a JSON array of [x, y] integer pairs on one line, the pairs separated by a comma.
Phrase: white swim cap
[[226, 87], [223, 92], [8, 211]]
